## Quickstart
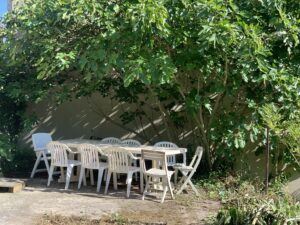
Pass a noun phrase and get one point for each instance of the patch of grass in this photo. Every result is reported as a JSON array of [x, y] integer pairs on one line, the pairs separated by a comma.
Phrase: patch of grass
[[63, 220], [118, 219], [245, 201], [114, 219]]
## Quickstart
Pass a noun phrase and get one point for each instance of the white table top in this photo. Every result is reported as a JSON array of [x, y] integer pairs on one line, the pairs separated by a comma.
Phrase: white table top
[[74, 143]]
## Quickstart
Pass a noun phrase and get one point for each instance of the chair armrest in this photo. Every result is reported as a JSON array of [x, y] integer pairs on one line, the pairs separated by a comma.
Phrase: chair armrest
[[71, 151], [134, 157]]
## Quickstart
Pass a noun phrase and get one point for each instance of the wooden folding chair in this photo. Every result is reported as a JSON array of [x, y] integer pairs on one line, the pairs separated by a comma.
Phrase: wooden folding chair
[[155, 175], [188, 171]]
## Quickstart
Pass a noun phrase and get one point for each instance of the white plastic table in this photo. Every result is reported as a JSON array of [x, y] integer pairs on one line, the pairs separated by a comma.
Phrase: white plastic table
[[75, 143]]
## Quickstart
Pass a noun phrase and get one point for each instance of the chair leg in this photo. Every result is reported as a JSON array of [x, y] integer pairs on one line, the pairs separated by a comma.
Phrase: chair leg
[[62, 173], [146, 188], [100, 175], [175, 176], [68, 177], [84, 178], [128, 182], [183, 186], [135, 174], [115, 181], [50, 175], [141, 181], [107, 181], [170, 187], [193, 187], [37, 161], [81, 177], [92, 177], [46, 161], [105, 174], [164, 193]]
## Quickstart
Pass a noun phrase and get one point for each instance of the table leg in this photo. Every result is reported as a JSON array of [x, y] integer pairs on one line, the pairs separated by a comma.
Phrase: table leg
[[115, 181], [184, 158], [141, 181]]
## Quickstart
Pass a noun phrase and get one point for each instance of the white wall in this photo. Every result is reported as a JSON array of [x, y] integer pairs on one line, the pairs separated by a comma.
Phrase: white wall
[[81, 119]]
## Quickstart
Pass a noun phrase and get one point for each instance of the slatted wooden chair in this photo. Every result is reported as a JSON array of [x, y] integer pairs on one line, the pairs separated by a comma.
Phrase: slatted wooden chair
[[188, 171], [119, 162], [90, 159], [170, 159], [156, 175], [59, 158]]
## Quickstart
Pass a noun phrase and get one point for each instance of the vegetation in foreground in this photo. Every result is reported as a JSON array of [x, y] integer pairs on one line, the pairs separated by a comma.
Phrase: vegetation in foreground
[[245, 202]]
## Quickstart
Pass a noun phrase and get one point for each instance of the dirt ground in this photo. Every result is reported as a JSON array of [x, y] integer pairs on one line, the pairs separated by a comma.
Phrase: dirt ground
[[37, 204]]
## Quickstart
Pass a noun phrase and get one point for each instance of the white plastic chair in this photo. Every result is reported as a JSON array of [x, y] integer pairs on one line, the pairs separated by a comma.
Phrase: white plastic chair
[[90, 159], [170, 159], [40, 141], [188, 171], [111, 140], [156, 175], [59, 158], [119, 162], [132, 143]]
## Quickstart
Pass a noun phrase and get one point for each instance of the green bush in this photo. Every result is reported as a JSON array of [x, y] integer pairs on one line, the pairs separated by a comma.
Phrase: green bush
[[245, 202], [20, 163], [256, 209]]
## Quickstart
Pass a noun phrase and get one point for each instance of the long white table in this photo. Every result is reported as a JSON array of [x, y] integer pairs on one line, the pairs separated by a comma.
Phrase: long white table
[[75, 143]]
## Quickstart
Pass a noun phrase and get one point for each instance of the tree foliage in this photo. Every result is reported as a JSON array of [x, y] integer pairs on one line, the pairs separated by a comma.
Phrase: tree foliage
[[286, 131], [205, 66]]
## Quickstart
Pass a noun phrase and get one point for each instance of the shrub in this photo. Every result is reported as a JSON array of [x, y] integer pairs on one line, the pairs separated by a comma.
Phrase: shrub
[[244, 202]]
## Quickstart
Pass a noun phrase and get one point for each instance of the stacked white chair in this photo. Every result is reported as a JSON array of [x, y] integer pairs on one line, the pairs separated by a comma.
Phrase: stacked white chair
[[132, 143], [59, 158], [111, 141], [188, 171], [119, 162], [165, 144], [156, 175], [90, 159], [40, 141]]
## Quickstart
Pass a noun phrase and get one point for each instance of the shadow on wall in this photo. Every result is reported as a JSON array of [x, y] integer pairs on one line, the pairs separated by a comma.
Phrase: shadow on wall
[[94, 117]]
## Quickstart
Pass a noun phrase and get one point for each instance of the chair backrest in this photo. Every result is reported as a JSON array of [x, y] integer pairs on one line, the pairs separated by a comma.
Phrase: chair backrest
[[59, 155], [197, 157], [111, 140], [131, 143], [165, 144], [89, 156], [118, 159], [154, 156], [171, 159], [40, 141]]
